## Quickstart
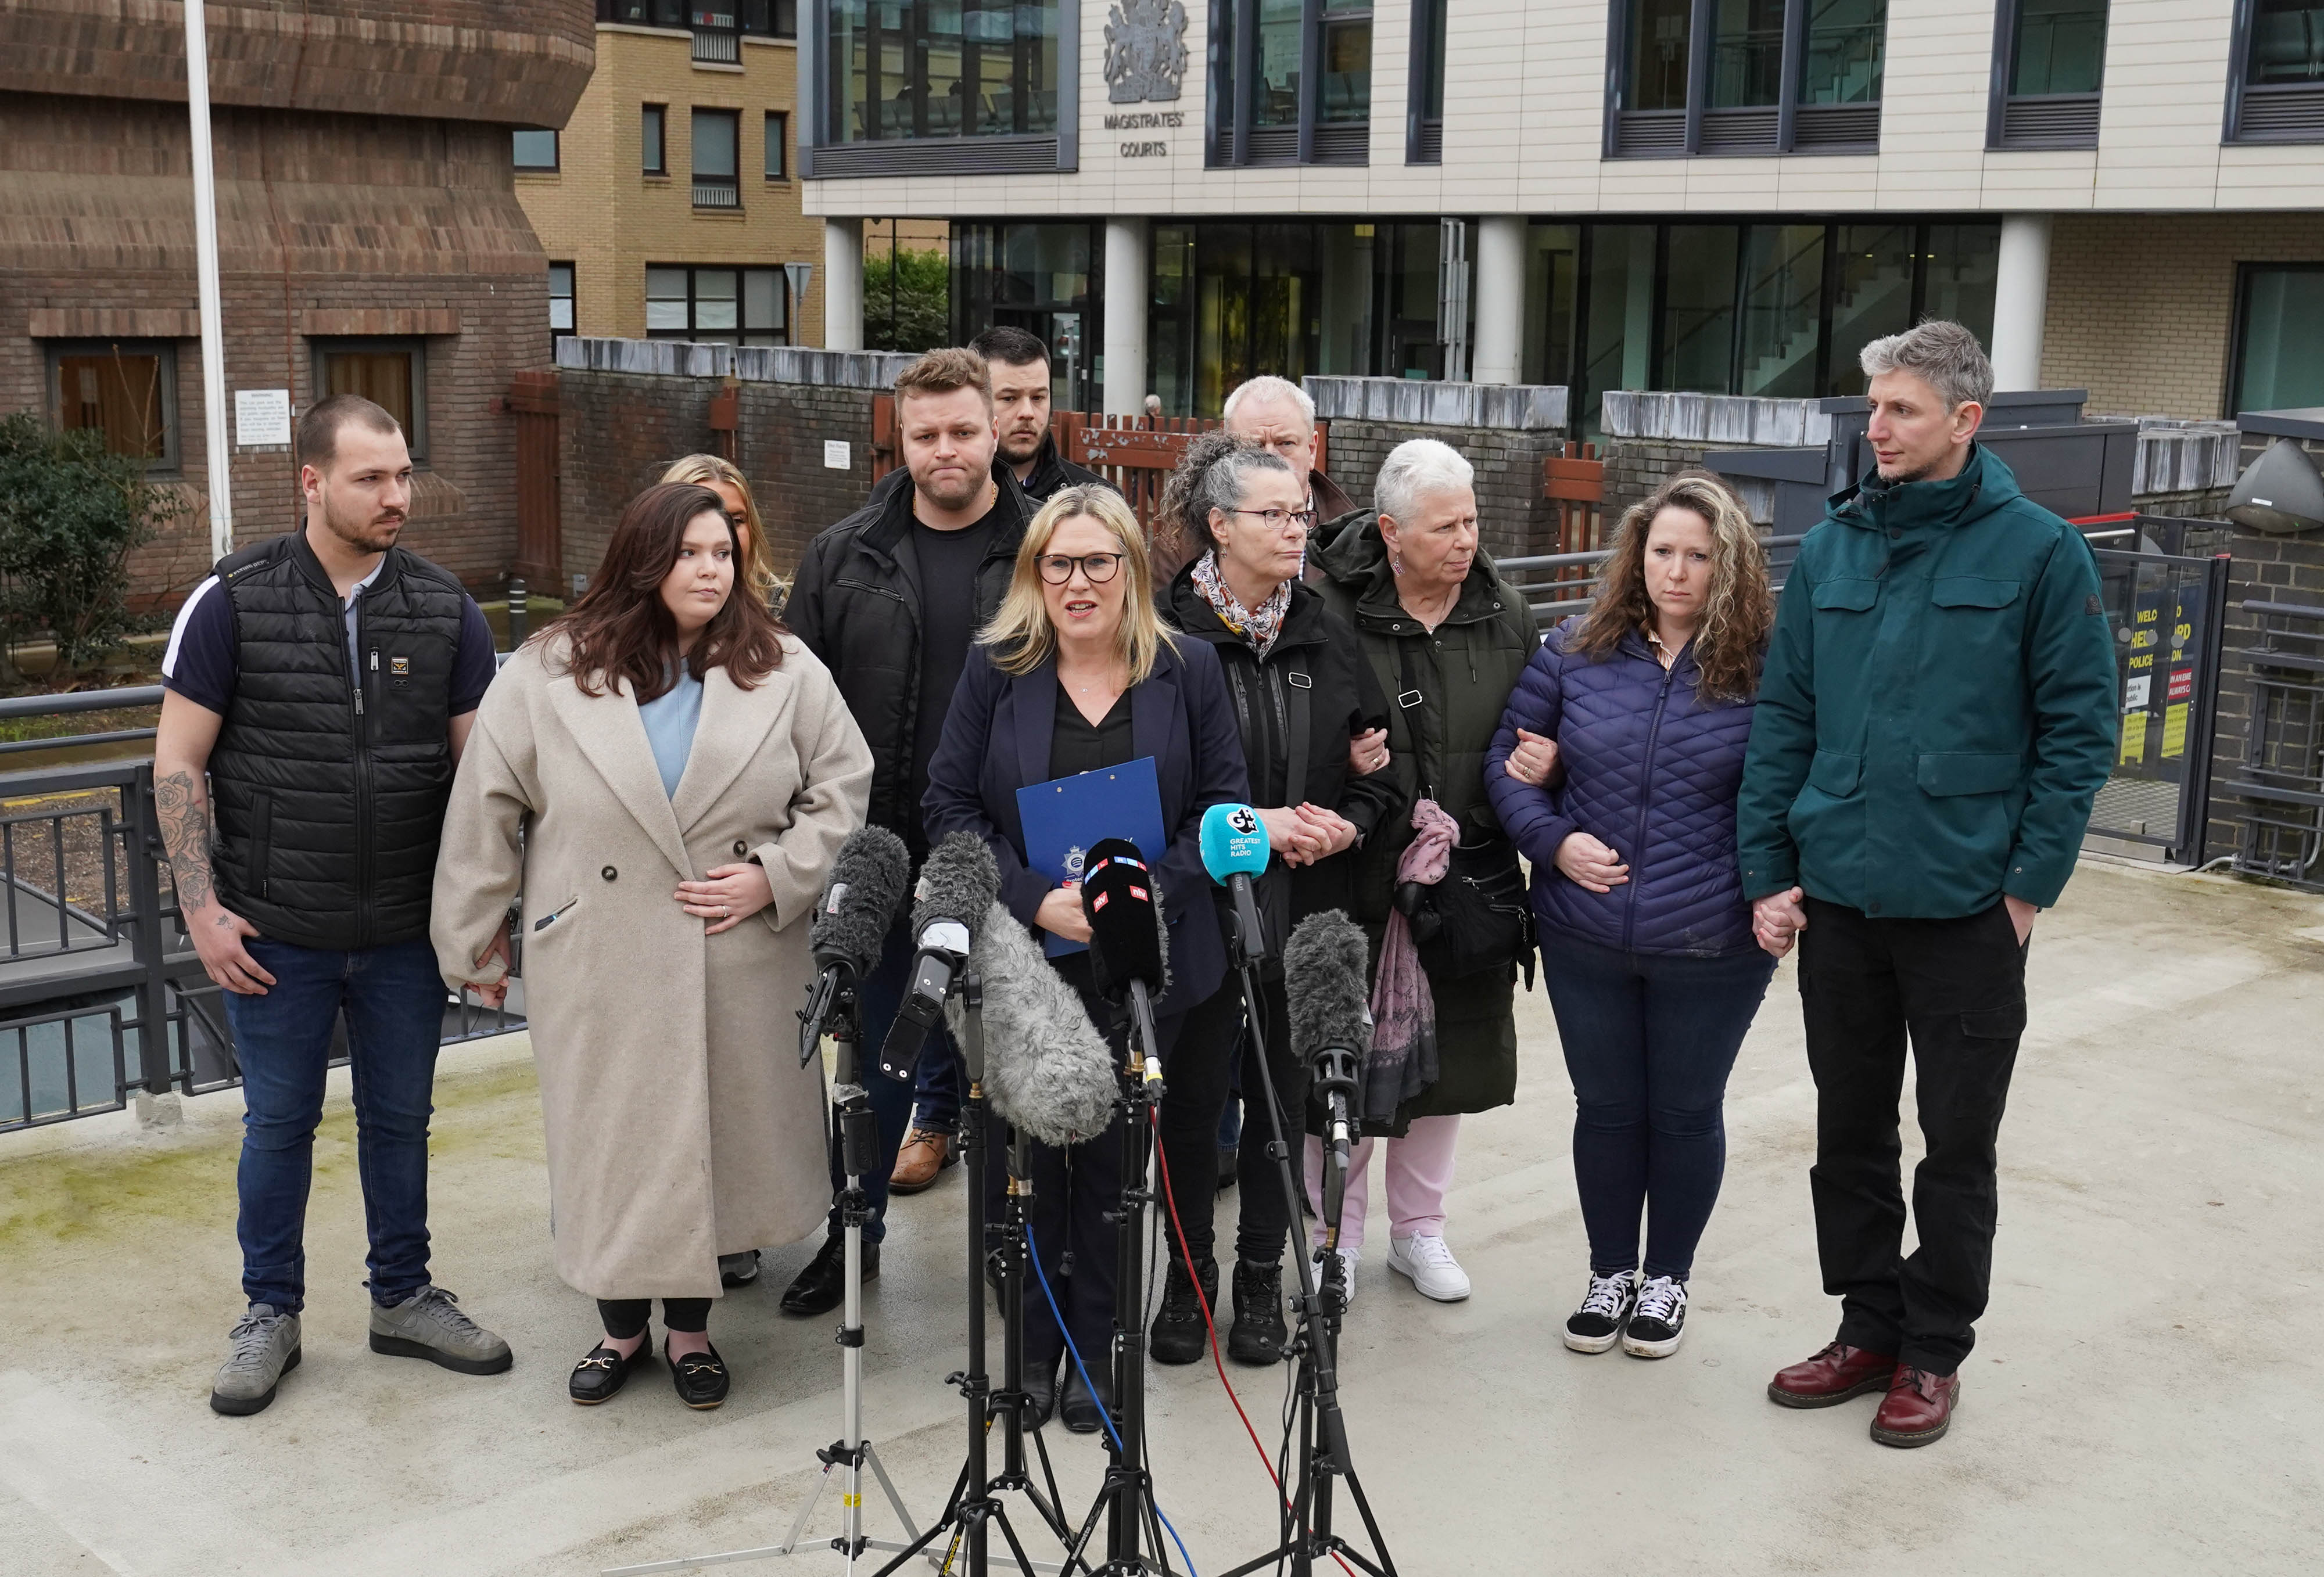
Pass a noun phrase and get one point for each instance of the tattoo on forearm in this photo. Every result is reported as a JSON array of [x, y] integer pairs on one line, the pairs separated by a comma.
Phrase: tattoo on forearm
[[185, 814]]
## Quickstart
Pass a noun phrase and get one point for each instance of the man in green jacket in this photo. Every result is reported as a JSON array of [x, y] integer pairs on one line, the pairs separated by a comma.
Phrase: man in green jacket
[[1936, 714]]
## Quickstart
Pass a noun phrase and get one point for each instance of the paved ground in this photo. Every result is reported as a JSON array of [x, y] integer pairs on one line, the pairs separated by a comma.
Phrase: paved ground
[[2145, 1397]]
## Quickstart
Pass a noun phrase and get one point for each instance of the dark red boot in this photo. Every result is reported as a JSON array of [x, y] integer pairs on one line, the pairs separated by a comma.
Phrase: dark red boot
[[1918, 1407], [1832, 1376]]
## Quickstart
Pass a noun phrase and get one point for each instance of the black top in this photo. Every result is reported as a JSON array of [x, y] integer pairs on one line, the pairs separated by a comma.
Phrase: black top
[[1077, 747], [947, 563]]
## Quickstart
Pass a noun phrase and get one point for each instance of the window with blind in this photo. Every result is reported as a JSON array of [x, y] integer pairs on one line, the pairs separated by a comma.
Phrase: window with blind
[[391, 374], [1424, 135], [726, 306], [2277, 91], [717, 159], [1745, 77], [1291, 82], [127, 391], [2049, 62]]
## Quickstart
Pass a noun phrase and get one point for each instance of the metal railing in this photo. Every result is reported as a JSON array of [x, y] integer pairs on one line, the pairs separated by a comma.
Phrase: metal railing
[[2281, 778], [102, 995]]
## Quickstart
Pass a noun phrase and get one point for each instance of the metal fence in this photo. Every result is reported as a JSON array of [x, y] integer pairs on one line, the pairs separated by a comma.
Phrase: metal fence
[[2281, 779], [2169, 614], [101, 993]]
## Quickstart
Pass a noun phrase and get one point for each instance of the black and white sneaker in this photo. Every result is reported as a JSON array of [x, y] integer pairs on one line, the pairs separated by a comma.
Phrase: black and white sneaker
[[1658, 1321], [1597, 1325]]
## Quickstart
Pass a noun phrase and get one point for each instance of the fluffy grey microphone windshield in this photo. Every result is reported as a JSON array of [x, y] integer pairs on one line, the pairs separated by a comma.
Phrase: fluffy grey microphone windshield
[[1047, 1069], [1325, 988], [860, 900], [959, 883]]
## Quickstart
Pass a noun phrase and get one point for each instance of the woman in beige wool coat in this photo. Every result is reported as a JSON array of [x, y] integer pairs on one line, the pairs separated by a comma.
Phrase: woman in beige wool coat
[[677, 824]]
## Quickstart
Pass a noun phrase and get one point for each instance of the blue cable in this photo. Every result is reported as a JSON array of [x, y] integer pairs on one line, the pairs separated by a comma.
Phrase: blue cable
[[1033, 1252]]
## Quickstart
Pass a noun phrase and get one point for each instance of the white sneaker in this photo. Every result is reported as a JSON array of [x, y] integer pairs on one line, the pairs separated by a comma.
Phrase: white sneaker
[[1434, 1273]]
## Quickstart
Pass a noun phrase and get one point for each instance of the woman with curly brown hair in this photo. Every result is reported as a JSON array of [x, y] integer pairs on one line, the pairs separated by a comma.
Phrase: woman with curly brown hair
[[1616, 769]]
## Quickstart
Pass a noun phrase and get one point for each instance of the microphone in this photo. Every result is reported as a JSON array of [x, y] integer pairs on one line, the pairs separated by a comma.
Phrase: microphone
[[851, 924], [958, 885], [1129, 941], [1326, 965], [1048, 1071], [1235, 849]]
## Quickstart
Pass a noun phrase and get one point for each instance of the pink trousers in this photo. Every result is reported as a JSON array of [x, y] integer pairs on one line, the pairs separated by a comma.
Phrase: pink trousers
[[1419, 1168]]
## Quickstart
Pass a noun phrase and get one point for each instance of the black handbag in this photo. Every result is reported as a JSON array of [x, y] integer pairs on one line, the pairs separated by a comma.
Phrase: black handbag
[[1477, 918]]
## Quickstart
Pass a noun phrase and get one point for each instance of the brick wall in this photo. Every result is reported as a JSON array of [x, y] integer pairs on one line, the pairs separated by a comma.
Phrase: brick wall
[[328, 224], [619, 430], [1513, 518], [1634, 467], [2142, 306], [2267, 569]]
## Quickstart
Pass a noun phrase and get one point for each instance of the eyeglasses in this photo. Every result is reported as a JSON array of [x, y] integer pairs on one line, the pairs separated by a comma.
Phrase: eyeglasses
[[1276, 520], [1058, 568]]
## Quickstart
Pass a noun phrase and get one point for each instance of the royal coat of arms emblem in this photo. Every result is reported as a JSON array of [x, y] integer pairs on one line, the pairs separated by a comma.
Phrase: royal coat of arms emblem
[[1145, 51]]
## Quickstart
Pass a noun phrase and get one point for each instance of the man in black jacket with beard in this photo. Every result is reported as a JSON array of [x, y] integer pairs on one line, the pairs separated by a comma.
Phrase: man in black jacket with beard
[[1020, 364], [889, 599]]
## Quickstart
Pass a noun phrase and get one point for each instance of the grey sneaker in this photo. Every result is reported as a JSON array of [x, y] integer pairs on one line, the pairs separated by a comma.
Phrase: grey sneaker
[[265, 1349], [429, 1324]]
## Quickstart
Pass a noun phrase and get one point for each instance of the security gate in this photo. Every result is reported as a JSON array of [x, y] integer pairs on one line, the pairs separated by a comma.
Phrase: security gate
[[2168, 617]]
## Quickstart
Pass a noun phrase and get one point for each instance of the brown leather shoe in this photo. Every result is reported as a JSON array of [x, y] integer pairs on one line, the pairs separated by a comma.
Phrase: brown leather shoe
[[1832, 1376], [925, 1152], [1918, 1409]]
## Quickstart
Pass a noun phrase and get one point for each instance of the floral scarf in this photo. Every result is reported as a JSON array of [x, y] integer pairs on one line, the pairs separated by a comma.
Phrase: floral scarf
[[1260, 626]]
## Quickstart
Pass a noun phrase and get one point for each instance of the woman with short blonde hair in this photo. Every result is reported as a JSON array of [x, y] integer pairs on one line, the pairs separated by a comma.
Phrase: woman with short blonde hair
[[724, 478], [1076, 674]]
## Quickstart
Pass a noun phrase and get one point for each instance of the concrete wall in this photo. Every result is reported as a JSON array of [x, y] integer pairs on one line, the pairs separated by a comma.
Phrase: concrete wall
[[603, 214]]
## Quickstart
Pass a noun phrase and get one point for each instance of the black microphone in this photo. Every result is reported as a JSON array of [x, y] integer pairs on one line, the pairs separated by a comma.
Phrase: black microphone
[[1325, 970], [1048, 1071], [851, 925], [958, 885], [1130, 941]]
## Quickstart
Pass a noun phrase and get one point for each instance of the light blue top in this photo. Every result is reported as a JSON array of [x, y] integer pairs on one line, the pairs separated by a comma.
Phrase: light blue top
[[669, 719]]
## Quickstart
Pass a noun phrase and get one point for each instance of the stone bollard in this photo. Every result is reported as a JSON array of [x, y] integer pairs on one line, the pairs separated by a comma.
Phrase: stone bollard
[[158, 1111]]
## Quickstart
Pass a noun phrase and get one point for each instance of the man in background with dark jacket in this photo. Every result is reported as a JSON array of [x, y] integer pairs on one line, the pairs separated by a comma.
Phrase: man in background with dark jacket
[[1936, 715], [319, 688], [1020, 364], [889, 599]]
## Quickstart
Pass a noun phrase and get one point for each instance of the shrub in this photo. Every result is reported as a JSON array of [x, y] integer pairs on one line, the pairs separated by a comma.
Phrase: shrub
[[921, 315], [70, 515]]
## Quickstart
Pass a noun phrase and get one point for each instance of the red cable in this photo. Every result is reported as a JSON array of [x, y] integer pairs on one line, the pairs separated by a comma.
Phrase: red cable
[[1169, 1195]]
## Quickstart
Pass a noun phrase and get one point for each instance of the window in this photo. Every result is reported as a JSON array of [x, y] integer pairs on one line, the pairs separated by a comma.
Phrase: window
[[717, 159], [127, 391], [1423, 136], [391, 374], [779, 132], [728, 306], [536, 150], [643, 12], [2276, 92], [770, 18], [1265, 109], [1694, 77], [1778, 309], [653, 143], [717, 39], [2279, 344], [560, 302], [2049, 58], [924, 69]]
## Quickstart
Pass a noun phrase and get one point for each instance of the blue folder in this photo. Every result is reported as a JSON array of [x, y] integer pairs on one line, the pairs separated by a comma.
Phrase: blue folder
[[1063, 817]]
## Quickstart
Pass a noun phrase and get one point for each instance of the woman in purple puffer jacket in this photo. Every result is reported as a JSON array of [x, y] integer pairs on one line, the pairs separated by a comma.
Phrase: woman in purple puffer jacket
[[1616, 771]]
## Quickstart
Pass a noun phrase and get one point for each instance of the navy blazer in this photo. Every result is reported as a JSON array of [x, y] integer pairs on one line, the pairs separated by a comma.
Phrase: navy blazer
[[996, 740]]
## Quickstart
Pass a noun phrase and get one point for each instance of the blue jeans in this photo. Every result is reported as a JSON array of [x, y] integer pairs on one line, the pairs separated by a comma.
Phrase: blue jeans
[[395, 1004], [1649, 1041], [936, 1099], [879, 994]]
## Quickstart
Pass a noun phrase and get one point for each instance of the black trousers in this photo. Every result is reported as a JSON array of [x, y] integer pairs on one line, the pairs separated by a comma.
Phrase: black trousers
[[625, 1317], [1197, 1084], [1958, 988]]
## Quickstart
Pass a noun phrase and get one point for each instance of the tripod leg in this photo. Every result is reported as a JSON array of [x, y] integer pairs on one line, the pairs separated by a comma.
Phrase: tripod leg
[[888, 1485], [805, 1510]]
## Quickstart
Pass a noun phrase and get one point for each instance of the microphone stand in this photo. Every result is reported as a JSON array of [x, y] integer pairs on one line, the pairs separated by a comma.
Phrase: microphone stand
[[1127, 1499], [973, 1507], [1309, 1537], [857, 1134]]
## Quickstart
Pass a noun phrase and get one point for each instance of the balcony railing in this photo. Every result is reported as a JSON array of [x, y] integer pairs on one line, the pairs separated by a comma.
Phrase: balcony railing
[[716, 192]]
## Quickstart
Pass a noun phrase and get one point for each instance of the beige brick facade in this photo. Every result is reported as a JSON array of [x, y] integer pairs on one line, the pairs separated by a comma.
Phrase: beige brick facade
[[2142, 306], [604, 215]]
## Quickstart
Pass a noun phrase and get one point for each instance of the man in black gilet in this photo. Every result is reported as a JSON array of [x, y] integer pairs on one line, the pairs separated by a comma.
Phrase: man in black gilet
[[319, 686]]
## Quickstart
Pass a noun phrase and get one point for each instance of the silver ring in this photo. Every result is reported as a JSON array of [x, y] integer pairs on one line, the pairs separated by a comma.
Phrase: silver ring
[[723, 911]]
